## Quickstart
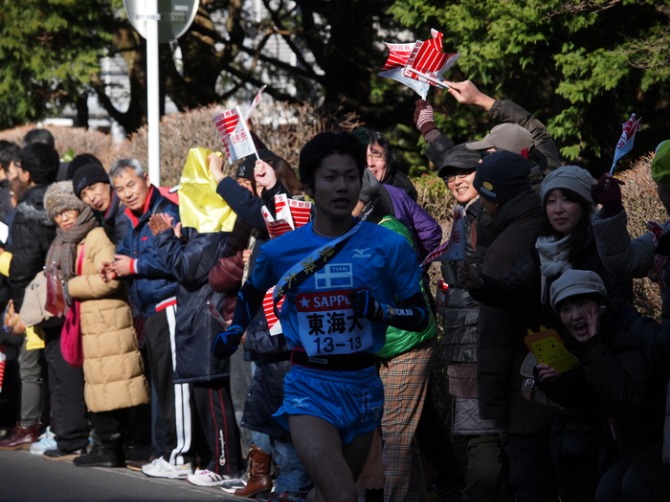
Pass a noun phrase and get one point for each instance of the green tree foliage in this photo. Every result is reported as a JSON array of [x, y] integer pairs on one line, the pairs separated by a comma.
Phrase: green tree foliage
[[582, 66], [49, 51]]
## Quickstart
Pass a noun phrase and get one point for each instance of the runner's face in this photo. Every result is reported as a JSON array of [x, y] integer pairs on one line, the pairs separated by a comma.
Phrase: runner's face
[[336, 187]]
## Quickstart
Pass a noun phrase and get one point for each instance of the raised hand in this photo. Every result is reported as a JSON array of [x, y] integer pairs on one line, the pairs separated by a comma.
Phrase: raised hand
[[226, 342], [423, 116], [607, 192]]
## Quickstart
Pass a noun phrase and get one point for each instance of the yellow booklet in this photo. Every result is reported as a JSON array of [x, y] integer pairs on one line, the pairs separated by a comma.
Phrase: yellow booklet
[[548, 348]]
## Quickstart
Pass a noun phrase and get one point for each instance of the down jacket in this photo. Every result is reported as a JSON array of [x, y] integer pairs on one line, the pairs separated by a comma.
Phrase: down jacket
[[31, 235], [113, 371]]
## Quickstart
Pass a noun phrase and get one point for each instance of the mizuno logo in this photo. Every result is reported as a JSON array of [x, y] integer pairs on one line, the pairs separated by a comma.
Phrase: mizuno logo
[[361, 253], [299, 402]]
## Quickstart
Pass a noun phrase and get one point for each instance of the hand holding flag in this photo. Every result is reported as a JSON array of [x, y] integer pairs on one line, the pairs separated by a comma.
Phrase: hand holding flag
[[625, 143], [420, 64]]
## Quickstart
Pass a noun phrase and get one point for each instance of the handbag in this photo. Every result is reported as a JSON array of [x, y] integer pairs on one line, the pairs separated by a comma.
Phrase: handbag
[[55, 301], [70, 336], [33, 311]]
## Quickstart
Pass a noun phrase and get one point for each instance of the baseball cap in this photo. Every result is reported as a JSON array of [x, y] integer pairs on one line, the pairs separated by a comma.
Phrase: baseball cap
[[509, 137]]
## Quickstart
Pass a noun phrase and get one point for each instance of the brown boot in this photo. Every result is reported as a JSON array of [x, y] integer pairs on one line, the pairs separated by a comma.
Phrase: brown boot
[[21, 438], [259, 474]]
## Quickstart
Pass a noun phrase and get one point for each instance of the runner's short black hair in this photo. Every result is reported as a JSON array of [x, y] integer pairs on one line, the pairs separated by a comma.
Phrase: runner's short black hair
[[329, 143]]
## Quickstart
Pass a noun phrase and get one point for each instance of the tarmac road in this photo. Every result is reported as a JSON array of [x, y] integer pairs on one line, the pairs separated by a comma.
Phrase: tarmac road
[[27, 478]]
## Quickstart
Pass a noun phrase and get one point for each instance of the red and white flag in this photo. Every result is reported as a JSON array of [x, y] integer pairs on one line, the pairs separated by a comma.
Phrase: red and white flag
[[274, 326], [625, 143], [418, 65], [289, 215], [232, 128], [254, 103], [454, 247]]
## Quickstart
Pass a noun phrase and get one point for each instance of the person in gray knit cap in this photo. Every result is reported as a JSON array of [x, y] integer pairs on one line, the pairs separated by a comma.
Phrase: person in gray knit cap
[[566, 242], [113, 378], [615, 377]]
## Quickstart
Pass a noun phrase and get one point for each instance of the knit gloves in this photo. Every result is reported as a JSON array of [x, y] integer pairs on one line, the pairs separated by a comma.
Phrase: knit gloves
[[423, 117], [607, 192]]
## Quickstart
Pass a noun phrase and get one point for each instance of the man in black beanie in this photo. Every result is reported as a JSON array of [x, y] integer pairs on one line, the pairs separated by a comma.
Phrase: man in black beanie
[[92, 185], [30, 237], [518, 217], [501, 177]]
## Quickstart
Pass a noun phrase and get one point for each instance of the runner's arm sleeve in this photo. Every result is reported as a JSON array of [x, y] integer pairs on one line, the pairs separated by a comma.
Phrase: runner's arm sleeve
[[249, 300], [411, 314]]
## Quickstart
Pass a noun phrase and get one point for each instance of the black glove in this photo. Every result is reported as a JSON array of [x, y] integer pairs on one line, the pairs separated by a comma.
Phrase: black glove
[[423, 116], [607, 192], [364, 305], [225, 343]]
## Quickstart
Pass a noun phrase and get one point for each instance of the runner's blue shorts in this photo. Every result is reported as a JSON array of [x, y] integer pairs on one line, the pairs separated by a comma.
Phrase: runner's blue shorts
[[351, 401]]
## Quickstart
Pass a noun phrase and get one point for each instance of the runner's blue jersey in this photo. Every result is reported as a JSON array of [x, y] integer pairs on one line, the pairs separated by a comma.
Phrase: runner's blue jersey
[[317, 315]]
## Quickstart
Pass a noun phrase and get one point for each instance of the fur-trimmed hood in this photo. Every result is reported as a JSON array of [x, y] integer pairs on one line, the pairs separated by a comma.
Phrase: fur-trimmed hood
[[31, 206]]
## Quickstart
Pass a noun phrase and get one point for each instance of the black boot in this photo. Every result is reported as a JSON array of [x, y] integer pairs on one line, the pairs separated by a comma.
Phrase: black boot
[[107, 453]]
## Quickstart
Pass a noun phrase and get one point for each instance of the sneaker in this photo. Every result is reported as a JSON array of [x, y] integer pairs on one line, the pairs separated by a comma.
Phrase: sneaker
[[205, 477], [137, 464], [56, 454], [47, 441], [234, 484], [159, 468]]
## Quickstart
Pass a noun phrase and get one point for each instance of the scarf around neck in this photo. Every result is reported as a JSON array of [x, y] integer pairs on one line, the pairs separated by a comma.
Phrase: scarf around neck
[[553, 254], [63, 249]]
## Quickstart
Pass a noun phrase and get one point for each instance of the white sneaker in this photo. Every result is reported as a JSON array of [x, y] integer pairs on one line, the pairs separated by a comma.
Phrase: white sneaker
[[205, 477], [47, 441], [159, 468], [231, 485]]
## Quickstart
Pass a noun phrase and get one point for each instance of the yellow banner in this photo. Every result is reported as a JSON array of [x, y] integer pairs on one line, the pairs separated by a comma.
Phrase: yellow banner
[[200, 207]]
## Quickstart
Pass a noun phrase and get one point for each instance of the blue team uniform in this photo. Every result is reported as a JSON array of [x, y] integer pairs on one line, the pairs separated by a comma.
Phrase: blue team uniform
[[317, 317]]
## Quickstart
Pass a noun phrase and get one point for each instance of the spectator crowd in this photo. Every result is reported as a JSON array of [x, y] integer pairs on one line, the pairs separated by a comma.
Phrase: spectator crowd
[[130, 320]]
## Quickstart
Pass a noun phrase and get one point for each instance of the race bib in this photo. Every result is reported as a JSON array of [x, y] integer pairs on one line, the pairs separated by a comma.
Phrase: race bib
[[327, 324]]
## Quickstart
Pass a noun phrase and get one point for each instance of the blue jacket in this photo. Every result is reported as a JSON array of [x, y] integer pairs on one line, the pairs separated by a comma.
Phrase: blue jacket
[[190, 259], [152, 283]]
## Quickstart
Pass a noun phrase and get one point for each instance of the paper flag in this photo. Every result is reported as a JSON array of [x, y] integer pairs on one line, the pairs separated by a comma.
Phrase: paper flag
[[274, 326], [255, 102], [625, 143], [407, 63], [234, 133], [289, 215]]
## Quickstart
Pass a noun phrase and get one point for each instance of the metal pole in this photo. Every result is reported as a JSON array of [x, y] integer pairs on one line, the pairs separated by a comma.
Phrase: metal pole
[[153, 92]]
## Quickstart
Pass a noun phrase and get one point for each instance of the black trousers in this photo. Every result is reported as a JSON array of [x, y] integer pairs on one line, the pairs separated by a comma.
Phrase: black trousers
[[217, 420], [173, 399], [66, 387]]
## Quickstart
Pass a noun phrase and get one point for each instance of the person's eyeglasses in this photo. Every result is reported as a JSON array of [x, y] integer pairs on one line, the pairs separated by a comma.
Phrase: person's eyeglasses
[[460, 176], [68, 214], [375, 155]]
